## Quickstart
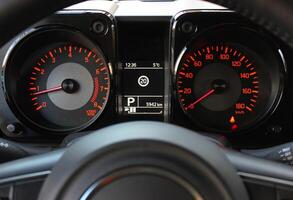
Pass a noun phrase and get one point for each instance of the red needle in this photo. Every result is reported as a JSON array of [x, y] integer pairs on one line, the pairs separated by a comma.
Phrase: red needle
[[210, 92], [48, 90]]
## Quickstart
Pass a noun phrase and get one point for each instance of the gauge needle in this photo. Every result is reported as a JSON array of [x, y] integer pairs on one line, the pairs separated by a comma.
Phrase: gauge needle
[[48, 90], [210, 92]]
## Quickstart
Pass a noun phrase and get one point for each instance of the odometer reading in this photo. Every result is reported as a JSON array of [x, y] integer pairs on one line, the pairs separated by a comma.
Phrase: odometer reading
[[223, 87]]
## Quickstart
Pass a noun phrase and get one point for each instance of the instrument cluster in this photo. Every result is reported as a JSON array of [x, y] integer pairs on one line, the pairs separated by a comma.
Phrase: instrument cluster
[[81, 71]]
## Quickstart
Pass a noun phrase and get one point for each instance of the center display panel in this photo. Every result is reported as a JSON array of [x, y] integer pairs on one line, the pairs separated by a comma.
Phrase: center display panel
[[142, 72]]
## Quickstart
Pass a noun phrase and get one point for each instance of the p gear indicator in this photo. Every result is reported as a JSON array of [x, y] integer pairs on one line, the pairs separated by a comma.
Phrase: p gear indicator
[[148, 105]]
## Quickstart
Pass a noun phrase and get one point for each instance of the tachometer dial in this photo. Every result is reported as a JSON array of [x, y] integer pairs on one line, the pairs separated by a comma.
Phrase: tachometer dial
[[225, 86], [61, 87]]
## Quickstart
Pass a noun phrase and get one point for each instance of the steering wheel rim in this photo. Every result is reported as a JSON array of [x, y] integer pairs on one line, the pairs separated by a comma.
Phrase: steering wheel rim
[[272, 15], [142, 147]]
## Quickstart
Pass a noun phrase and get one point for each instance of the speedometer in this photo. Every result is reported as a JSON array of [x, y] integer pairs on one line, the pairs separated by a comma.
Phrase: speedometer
[[226, 86]]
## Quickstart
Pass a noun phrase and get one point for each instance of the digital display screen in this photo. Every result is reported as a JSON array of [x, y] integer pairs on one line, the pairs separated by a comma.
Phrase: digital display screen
[[144, 93], [142, 70]]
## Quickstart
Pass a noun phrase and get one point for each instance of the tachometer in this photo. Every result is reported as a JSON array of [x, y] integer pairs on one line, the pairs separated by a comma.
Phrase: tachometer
[[61, 87], [225, 87]]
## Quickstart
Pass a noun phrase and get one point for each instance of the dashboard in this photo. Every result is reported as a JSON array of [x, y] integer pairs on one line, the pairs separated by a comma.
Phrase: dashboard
[[206, 69]]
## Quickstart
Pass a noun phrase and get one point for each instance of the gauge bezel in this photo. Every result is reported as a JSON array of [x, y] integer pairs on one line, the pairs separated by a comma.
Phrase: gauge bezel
[[265, 39], [63, 34]]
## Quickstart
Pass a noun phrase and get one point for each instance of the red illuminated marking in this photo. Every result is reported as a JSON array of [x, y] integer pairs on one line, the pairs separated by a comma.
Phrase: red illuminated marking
[[51, 54], [96, 90], [255, 91], [43, 60], [248, 108], [39, 107], [46, 56], [226, 50], [37, 69], [252, 100], [185, 65], [39, 64], [182, 73], [80, 49], [208, 49], [70, 51], [199, 53], [34, 73], [65, 48], [60, 50], [235, 52], [234, 127], [251, 69], [180, 91], [255, 82], [89, 54], [31, 83], [33, 88], [217, 48], [33, 78], [104, 68], [98, 60], [252, 73], [35, 98], [35, 103], [100, 107], [248, 65], [255, 96], [243, 57], [251, 105], [192, 58]]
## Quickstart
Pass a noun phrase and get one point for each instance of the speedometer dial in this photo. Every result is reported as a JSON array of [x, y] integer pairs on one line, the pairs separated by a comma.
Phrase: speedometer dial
[[225, 87]]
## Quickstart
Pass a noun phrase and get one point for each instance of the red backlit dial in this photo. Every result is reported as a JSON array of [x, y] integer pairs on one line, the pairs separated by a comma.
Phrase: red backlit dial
[[223, 88], [63, 87]]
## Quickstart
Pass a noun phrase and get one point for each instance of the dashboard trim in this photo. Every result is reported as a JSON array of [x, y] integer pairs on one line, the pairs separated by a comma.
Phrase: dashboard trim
[[25, 176], [250, 176]]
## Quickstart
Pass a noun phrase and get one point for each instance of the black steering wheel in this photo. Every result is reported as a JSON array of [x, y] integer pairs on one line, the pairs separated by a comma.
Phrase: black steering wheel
[[144, 160]]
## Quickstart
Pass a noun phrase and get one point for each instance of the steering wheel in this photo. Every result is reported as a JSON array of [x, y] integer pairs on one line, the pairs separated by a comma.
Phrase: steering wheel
[[144, 160]]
